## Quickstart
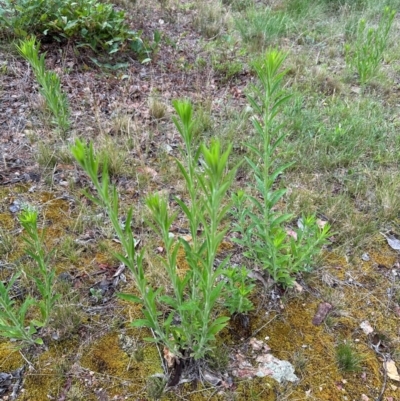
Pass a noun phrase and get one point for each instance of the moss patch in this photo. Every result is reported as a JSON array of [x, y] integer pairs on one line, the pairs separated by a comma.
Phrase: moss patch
[[10, 358], [105, 356]]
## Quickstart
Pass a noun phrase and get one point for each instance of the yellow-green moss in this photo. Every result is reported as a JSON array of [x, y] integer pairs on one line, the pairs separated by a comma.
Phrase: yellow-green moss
[[6, 221], [106, 357], [290, 331], [10, 358], [48, 374]]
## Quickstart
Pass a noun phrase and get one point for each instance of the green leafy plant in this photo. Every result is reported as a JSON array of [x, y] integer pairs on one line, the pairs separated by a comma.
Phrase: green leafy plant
[[226, 58], [146, 48], [96, 294], [44, 275], [365, 54], [239, 287], [283, 252], [192, 323], [107, 197], [87, 22], [13, 316], [196, 293], [50, 85]]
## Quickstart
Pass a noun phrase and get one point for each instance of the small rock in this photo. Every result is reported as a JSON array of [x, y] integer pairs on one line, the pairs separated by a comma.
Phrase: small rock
[[323, 309]]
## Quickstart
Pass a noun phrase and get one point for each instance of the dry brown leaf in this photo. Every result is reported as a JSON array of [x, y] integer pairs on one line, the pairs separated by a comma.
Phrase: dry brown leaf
[[259, 345], [366, 327], [245, 373], [148, 170], [170, 358], [186, 238], [391, 369], [393, 242], [292, 233], [298, 287]]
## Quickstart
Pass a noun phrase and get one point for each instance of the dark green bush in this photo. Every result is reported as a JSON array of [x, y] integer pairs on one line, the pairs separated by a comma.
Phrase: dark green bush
[[87, 22]]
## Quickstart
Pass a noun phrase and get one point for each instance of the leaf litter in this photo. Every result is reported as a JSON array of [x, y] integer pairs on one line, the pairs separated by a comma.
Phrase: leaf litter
[[392, 241]]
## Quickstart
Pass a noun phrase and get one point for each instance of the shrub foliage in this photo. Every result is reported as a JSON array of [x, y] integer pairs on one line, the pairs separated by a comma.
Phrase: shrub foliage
[[91, 23]]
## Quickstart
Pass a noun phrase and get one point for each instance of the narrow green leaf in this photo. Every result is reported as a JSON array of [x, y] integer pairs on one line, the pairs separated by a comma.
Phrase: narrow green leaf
[[130, 298], [142, 323], [218, 325]]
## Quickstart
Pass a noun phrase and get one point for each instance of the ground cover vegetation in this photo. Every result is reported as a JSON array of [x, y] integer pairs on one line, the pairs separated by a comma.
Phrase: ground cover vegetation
[[199, 200]]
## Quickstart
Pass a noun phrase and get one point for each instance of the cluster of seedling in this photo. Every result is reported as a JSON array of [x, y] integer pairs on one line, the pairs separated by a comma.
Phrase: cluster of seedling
[[194, 318], [195, 294]]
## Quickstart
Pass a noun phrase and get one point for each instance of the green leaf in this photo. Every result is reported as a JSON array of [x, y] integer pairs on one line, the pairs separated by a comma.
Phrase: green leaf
[[216, 292], [130, 298], [191, 305], [37, 323], [169, 301], [219, 324], [142, 323], [151, 339]]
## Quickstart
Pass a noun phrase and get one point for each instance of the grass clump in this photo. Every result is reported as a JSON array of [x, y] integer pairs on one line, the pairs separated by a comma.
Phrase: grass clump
[[210, 19], [301, 8], [155, 387], [239, 5], [258, 28], [365, 55], [226, 58], [348, 359], [6, 244], [157, 108]]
